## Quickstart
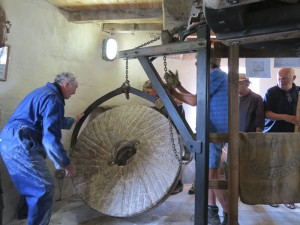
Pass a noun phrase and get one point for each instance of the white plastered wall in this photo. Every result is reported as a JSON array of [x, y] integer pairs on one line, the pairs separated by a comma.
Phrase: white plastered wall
[[43, 44]]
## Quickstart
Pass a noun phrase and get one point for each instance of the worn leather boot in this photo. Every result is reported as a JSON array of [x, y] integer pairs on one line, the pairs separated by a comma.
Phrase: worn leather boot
[[213, 215], [225, 219]]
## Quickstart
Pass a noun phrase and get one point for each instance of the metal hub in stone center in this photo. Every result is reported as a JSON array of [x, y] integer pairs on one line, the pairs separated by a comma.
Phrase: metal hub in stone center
[[123, 153]]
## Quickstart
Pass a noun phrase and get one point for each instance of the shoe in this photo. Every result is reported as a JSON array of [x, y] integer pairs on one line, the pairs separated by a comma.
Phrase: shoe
[[225, 219], [290, 205], [274, 205], [192, 218], [192, 189], [22, 208], [178, 188], [213, 215]]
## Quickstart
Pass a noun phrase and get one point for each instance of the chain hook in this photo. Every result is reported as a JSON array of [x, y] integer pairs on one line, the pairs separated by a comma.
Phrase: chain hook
[[177, 155], [126, 84]]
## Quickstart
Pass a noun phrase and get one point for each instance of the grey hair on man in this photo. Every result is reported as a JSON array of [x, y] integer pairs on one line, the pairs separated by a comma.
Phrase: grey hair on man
[[65, 76], [147, 84], [215, 62]]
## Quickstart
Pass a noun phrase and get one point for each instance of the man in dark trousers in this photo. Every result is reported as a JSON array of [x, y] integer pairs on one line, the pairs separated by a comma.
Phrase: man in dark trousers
[[280, 103]]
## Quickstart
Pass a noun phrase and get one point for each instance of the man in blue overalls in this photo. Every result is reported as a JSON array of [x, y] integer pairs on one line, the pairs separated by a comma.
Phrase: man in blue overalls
[[32, 133]]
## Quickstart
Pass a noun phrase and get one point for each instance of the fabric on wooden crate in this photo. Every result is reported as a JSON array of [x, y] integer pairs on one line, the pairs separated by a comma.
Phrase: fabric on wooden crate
[[269, 169]]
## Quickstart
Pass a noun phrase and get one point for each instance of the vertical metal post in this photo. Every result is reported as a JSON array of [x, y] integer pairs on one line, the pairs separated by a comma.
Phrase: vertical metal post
[[233, 116], [202, 120]]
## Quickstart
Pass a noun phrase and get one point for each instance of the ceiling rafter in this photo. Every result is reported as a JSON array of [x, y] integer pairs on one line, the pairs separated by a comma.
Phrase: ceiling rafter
[[134, 15], [118, 16]]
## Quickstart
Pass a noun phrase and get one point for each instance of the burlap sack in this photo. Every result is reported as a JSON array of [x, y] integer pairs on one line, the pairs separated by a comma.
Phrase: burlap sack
[[269, 169]]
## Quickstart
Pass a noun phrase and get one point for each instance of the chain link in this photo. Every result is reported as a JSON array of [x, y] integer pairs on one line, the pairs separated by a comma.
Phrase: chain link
[[126, 68], [149, 42], [127, 82], [165, 64], [177, 155]]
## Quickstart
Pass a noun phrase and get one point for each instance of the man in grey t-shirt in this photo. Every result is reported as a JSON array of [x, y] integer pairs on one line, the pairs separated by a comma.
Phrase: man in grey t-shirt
[[251, 107]]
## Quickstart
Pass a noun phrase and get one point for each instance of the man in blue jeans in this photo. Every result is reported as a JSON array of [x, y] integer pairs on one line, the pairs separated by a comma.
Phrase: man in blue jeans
[[32, 133]]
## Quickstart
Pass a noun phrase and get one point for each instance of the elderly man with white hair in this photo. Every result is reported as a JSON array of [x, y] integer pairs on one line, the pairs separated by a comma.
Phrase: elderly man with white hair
[[280, 104], [32, 133]]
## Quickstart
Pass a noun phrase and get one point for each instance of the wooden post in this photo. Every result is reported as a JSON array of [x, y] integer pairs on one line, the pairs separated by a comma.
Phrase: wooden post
[[233, 123]]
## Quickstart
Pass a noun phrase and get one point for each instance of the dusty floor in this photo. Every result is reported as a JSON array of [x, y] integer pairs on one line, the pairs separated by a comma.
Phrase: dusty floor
[[176, 210]]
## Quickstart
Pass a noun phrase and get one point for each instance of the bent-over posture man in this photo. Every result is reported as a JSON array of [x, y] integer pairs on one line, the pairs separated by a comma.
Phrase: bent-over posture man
[[149, 89], [32, 133]]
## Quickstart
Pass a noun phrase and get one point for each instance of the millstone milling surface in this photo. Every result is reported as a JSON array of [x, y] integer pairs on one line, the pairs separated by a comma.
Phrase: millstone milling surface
[[147, 179]]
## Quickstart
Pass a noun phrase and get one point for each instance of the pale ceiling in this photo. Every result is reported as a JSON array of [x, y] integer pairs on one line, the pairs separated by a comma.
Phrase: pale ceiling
[[244, 22], [115, 15]]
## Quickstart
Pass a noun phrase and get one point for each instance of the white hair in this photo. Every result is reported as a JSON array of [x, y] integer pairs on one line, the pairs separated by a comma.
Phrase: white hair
[[65, 76]]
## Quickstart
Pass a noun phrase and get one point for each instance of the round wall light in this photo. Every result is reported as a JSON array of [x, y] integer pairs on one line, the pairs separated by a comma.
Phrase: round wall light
[[109, 49]]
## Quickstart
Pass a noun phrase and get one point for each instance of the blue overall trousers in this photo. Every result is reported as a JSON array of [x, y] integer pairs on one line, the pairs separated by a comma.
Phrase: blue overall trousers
[[24, 157], [32, 133]]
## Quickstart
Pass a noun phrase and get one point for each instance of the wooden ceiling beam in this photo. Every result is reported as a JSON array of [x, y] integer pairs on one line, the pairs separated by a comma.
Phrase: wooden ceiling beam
[[117, 27], [137, 14], [118, 16], [91, 5]]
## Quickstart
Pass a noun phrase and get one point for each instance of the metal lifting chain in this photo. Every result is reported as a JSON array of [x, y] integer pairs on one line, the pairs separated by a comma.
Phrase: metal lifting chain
[[149, 42], [165, 64], [126, 83], [178, 156]]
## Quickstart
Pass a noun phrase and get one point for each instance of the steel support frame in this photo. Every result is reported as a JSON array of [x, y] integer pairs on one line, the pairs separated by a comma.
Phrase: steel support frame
[[202, 131], [180, 122], [198, 143]]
